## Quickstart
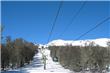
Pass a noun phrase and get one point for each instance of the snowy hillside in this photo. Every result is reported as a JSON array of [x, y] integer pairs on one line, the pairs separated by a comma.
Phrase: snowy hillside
[[53, 67], [36, 66], [59, 42]]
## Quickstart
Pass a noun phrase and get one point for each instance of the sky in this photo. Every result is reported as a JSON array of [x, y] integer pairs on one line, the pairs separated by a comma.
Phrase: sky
[[33, 20]]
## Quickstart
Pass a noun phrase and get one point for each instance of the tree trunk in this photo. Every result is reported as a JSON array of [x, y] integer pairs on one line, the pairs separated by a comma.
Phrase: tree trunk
[[45, 65]]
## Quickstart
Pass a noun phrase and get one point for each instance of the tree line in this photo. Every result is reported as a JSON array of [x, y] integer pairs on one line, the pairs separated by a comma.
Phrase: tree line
[[93, 58], [16, 53]]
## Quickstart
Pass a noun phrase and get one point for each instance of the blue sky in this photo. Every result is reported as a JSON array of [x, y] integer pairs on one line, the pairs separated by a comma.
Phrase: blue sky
[[32, 20]]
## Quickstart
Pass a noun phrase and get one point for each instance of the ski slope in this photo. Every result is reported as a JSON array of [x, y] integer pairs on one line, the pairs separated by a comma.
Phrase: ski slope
[[36, 65]]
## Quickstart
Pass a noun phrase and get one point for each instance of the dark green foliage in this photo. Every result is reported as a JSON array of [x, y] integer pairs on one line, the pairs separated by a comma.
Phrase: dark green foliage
[[16, 53], [81, 58]]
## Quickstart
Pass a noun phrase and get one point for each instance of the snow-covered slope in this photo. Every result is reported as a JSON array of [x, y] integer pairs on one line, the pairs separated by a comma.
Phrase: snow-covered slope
[[36, 66], [59, 42], [51, 67]]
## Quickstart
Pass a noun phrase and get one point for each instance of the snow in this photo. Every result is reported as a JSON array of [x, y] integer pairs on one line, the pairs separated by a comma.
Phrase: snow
[[59, 42], [36, 66], [50, 67]]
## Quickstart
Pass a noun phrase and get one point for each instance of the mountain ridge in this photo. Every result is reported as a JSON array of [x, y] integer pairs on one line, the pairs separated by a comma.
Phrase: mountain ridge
[[60, 42]]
